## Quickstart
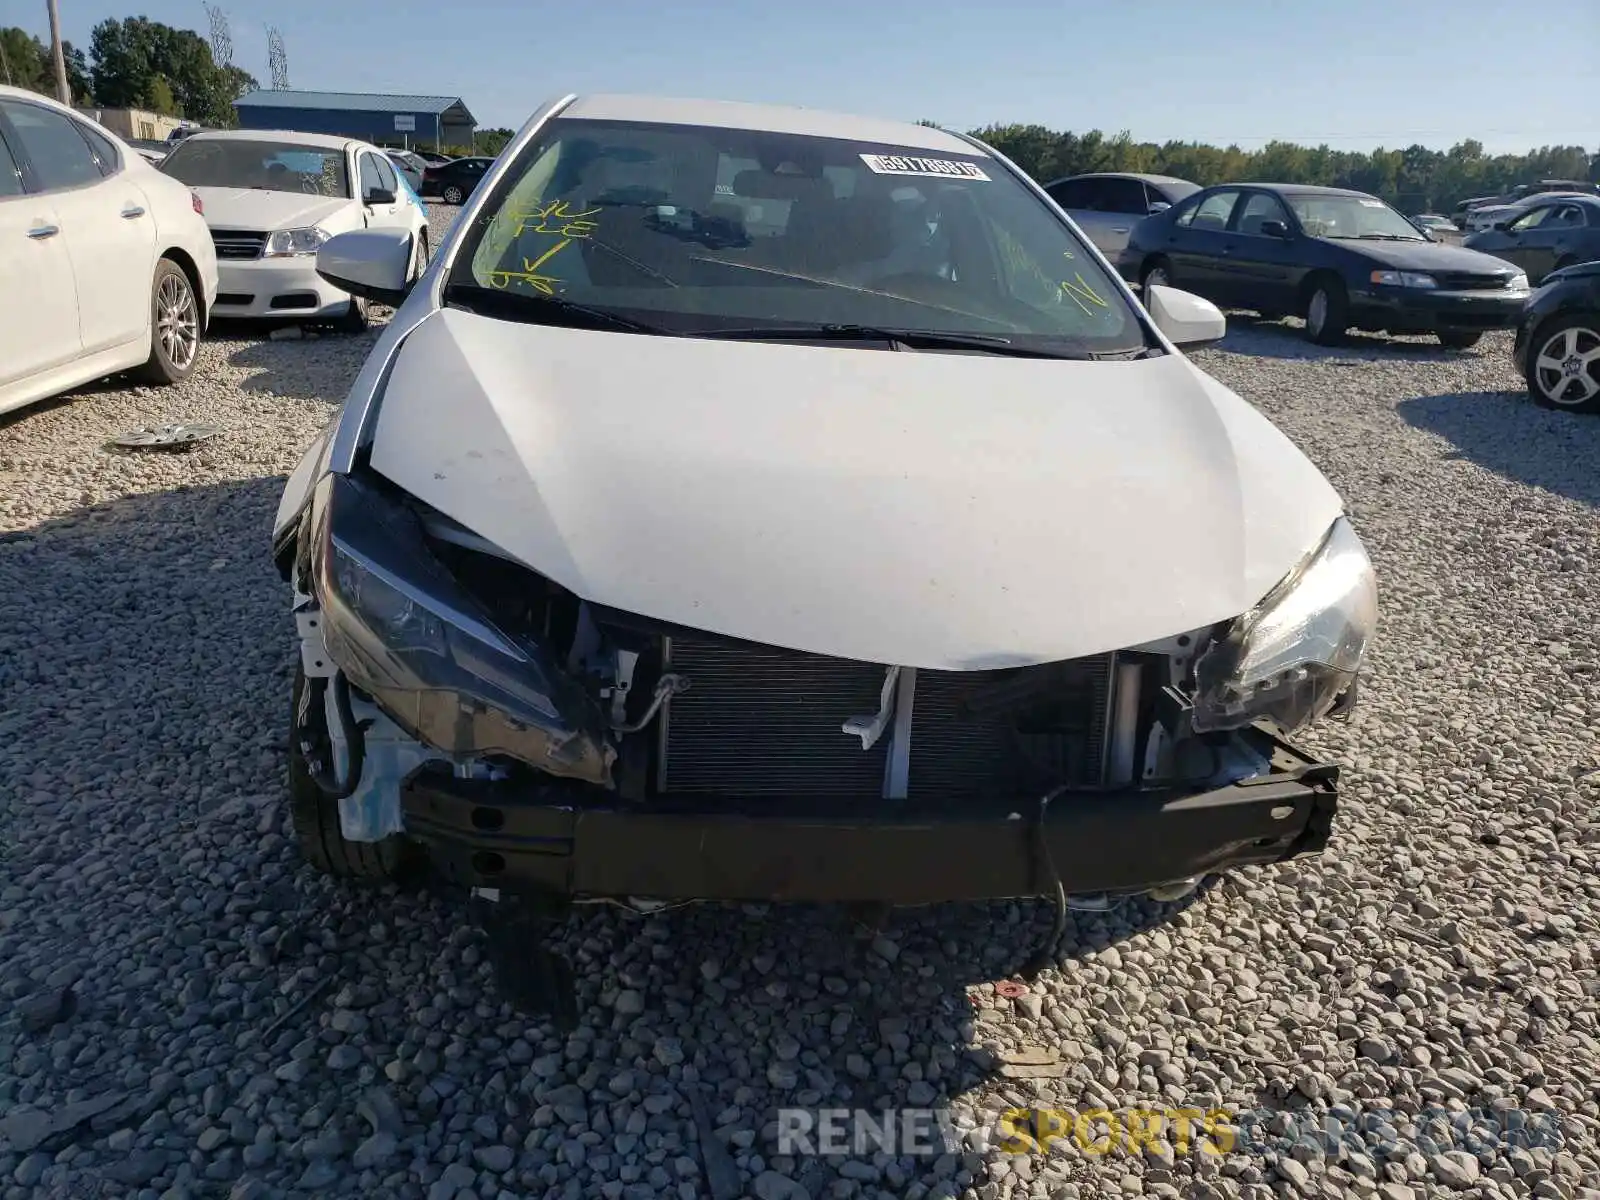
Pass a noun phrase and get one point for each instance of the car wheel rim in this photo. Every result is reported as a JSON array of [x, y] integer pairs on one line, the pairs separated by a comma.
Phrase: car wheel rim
[[1317, 313], [1156, 278], [1568, 366], [452, 195], [177, 321]]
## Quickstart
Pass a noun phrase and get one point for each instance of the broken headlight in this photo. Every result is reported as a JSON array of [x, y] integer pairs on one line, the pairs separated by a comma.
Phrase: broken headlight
[[1292, 656], [405, 632]]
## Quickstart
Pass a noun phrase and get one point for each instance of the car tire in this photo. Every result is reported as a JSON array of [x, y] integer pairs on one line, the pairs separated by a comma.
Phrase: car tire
[[1460, 341], [315, 817], [452, 194], [419, 260], [1555, 343], [1327, 312], [174, 326], [1155, 273], [355, 319]]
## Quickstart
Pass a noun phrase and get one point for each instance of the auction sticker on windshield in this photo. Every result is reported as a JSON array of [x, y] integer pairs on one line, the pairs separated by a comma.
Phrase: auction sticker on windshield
[[941, 168]]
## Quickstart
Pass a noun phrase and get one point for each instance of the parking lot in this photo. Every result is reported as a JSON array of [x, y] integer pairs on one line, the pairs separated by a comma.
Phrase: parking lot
[[238, 1026]]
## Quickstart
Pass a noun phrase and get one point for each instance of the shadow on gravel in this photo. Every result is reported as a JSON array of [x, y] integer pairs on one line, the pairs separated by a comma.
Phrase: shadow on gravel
[[163, 884], [1506, 433], [317, 365], [1256, 337]]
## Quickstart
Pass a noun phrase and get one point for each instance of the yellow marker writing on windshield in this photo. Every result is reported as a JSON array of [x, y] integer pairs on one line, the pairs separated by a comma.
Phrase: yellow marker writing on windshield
[[1082, 293], [530, 272]]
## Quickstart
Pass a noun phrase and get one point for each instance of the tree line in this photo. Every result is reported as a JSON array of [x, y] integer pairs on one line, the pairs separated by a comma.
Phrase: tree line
[[1416, 179], [132, 63]]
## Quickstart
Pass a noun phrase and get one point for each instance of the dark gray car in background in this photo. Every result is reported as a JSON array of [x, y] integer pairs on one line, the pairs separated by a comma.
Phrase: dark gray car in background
[[1107, 205], [1548, 235]]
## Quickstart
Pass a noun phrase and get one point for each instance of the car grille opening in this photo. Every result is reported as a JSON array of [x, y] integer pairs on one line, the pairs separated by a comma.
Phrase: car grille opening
[[238, 244], [235, 299], [1456, 281], [764, 721], [295, 300]]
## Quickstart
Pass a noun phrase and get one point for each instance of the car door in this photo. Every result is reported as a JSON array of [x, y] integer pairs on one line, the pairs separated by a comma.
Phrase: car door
[[104, 218], [1196, 245], [1556, 237], [1124, 204], [38, 322], [1084, 200], [1257, 270], [369, 173]]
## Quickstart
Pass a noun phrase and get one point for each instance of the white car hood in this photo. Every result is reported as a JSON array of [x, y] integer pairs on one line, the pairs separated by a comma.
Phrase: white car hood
[[251, 208], [941, 511]]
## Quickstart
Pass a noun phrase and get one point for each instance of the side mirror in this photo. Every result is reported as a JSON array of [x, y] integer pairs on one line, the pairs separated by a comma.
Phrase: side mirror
[[1158, 206], [1274, 229], [377, 196], [1185, 319], [374, 264]]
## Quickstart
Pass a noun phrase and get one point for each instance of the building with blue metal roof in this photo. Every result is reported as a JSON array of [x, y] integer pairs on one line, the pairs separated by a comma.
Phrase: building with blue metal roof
[[384, 120]]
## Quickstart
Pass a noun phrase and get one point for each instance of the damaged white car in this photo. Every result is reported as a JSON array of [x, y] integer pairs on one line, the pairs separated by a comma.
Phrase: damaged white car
[[763, 504]]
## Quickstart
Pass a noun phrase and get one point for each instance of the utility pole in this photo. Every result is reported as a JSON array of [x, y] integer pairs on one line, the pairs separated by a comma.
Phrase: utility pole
[[63, 93]]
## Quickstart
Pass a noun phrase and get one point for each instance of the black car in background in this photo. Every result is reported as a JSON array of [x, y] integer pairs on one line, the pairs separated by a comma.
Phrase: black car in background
[[454, 181], [1557, 347], [409, 165], [1338, 258], [1549, 235]]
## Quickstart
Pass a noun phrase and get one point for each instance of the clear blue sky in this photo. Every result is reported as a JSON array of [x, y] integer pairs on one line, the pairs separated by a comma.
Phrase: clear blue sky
[[1353, 73]]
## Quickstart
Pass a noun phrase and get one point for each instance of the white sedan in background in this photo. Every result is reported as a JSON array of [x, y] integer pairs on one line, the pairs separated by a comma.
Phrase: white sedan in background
[[105, 263], [272, 198]]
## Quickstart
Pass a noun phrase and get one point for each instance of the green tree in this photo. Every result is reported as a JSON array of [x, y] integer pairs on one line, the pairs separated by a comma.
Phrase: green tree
[[129, 54], [24, 61], [158, 97], [1413, 179]]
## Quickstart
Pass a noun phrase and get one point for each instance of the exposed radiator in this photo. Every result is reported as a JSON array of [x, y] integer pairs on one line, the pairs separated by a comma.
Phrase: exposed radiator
[[764, 721]]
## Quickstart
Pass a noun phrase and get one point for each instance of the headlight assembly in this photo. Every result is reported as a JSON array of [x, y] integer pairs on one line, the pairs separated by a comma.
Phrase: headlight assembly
[[290, 243], [1410, 279], [1290, 657], [403, 631]]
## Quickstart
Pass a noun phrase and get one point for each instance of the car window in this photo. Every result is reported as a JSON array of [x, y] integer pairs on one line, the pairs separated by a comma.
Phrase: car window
[[694, 228], [1348, 215], [10, 177], [106, 156], [58, 153], [371, 181], [1531, 219], [1081, 194], [1566, 216], [1213, 211], [1259, 208], [1171, 192], [386, 176], [1124, 196], [264, 164]]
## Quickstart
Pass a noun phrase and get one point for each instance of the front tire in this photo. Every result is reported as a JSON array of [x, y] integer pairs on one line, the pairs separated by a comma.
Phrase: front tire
[[1327, 313], [174, 326], [453, 194], [1157, 274], [355, 319], [1563, 368], [1460, 341], [315, 817]]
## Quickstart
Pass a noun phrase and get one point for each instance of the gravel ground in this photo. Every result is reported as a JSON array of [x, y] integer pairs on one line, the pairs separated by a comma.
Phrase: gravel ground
[[186, 1011]]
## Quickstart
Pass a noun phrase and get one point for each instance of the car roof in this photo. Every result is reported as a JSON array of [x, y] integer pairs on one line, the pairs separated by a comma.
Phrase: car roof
[[768, 118], [319, 141], [1142, 176], [1299, 189]]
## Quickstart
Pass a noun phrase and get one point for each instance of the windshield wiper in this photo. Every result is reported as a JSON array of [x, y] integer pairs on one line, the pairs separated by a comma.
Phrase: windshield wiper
[[919, 339], [541, 309], [1388, 237]]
